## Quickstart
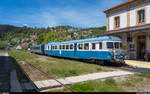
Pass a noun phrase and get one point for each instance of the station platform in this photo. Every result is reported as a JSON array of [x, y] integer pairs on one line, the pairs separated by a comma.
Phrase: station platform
[[136, 63]]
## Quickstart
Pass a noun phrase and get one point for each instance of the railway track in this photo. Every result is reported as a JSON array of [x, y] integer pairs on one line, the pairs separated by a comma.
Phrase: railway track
[[50, 77]]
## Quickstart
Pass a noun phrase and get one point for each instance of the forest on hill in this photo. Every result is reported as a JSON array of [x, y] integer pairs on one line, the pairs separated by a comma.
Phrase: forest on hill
[[12, 36]]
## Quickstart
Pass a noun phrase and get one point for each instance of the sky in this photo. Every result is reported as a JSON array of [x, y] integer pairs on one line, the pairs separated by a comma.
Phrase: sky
[[44, 13]]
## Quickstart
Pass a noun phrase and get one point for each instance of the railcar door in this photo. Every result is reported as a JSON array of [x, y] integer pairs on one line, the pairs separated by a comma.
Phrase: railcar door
[[75, 50]]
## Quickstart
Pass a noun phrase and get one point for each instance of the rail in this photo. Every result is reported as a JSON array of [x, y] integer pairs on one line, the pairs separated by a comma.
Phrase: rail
[[47, 75]]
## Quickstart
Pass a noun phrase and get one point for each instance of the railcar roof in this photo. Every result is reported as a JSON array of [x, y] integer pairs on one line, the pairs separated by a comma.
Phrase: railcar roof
[[37, 45], [105, 38]]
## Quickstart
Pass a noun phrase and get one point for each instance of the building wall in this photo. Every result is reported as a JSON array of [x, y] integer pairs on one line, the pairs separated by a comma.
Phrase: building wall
[[132, 54], [123, 17]]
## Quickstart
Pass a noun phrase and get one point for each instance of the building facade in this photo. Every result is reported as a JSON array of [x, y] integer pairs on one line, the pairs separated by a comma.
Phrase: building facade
[[130, 21]]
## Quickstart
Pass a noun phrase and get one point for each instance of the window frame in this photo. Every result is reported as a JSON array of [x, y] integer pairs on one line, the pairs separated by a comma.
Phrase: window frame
[[137, 16], [115, 25]]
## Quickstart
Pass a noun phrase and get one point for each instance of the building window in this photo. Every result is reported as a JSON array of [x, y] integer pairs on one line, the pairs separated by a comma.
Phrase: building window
[[141, 16], [86, 46], [117, 22], [93, 46]]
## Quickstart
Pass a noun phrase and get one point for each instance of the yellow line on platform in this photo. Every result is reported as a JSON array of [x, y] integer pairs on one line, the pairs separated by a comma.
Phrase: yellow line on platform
[[138, 63]]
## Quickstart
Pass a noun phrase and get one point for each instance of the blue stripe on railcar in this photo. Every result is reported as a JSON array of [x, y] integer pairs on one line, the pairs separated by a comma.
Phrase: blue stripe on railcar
[[47, 52], [63, 53], [101, 55]]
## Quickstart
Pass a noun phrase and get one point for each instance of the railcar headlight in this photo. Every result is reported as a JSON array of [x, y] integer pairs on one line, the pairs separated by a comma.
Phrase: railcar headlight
[[111, 54]]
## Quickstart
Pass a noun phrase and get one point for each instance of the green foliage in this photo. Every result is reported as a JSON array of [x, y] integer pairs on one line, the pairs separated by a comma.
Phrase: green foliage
[[46, 35], [3, 44]]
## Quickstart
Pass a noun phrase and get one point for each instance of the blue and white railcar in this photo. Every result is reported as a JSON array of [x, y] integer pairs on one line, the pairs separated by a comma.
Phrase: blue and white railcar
[[101, 48], [39, 49]]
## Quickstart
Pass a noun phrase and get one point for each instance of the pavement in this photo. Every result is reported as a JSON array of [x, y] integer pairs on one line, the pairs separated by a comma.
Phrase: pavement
[[77, 79], [140, 64], [8, 77]]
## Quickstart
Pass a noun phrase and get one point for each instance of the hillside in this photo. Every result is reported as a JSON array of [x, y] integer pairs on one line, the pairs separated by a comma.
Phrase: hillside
[[25, 36]]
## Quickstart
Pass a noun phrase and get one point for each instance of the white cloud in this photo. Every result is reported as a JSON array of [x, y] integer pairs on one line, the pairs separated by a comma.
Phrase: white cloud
[[68, 15]]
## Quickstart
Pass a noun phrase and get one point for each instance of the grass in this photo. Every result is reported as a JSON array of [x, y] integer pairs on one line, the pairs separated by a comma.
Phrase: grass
[[1, 51], [109, 85], [131, 81], [145, 75], [59, 67]]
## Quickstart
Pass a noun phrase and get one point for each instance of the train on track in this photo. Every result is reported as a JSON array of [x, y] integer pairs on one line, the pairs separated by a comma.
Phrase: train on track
[[106, 48]]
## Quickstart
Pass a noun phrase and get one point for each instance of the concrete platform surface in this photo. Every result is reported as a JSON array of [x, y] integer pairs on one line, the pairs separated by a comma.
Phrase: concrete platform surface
[[8, 76], [81, 78], [140, 64]]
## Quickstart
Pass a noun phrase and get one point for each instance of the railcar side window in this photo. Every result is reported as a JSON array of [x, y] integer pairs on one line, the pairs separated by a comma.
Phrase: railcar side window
[[67, 47], [60, 47], [71, 46], [80, 46], [55, 47], [86, 46], [93, 46], [110, 45], [116, 45], [100, 45], [63, 46]]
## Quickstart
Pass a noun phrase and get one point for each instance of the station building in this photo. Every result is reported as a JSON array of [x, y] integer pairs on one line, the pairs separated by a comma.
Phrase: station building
[[130, 21]]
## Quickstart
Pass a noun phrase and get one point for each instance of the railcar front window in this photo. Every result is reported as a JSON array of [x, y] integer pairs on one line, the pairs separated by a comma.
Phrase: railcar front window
[[110, 45], [116, 45], [93, 46], [86, 46]]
